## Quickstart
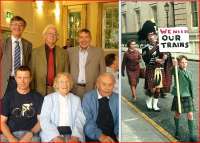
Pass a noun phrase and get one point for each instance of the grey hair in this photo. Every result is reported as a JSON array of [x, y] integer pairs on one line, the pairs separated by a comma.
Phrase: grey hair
[[48, 27], [69, 77], [106, 74]]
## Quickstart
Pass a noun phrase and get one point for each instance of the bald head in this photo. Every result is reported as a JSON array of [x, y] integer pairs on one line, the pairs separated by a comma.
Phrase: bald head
[[105, 84]]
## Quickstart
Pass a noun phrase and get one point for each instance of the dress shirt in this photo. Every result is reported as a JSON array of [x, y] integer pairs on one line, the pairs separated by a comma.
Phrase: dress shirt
[[82, 62], [116, 76], [99, 95], [65, 110]]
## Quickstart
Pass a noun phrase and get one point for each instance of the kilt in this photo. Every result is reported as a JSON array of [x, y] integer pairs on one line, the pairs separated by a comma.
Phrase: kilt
[[167, 81], [187, 104], [150, 78]]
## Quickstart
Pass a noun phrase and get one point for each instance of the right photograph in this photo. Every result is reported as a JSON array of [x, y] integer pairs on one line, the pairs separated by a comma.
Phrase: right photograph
[[160, 71]]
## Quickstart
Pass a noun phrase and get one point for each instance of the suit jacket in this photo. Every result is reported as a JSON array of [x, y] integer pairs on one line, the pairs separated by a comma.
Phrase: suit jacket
[[90, 106], [39, 67], [6, 60], [185, 83], [95, 65]]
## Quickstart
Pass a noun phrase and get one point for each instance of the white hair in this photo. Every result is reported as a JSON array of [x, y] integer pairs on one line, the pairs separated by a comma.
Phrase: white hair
[[47, 28]]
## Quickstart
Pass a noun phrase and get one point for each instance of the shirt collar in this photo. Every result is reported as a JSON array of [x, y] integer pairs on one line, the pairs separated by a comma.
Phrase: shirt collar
[[63, 97], [81, 50], [99, 95], [15, 39], [109, 69]]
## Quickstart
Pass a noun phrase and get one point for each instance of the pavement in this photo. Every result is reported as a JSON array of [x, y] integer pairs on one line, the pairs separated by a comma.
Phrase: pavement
[[164, 118], [137, 127]]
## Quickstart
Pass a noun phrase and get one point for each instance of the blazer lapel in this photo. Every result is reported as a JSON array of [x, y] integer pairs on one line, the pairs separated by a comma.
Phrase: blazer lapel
[[9, 48], [24, 51], [43, 59], [186, 74], [77, 56], [57, 59]]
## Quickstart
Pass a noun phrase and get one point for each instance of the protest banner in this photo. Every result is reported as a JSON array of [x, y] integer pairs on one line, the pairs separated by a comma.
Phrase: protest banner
[[174, 39]]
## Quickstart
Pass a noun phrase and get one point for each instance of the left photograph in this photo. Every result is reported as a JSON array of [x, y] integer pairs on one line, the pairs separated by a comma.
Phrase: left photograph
[[59, 71]]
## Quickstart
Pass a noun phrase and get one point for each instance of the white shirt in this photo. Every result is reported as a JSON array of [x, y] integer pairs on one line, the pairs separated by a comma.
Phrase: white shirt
[[82, 62], [99, 95], [65, 110], [13, 39], [116, 76]]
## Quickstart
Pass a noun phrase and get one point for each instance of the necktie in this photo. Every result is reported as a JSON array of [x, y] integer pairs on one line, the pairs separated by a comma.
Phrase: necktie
[[17, 56], [50, 76]]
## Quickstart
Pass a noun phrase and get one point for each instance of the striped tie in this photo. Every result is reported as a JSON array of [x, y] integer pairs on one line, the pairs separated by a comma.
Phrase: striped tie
[[17, 61]]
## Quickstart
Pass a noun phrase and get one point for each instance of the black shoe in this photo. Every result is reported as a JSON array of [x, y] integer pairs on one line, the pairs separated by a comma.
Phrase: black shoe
[[193, 139], [177, 136]]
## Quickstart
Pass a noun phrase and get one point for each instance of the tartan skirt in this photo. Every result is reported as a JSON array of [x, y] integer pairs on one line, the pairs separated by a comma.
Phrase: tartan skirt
[[133, 77], [187, 104]]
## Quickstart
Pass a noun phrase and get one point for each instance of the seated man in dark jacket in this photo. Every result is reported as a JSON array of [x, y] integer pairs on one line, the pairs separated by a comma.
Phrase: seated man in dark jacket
[[101, 109]]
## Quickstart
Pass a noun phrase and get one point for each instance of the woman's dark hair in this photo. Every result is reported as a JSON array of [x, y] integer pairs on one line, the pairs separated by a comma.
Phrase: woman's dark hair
[[129, 42], [109, 59]]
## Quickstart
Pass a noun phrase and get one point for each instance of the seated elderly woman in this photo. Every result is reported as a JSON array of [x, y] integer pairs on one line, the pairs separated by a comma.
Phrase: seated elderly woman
[[61, 117]]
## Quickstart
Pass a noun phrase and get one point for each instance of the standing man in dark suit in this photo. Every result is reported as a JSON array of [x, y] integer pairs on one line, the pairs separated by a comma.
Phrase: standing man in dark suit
[[86, 63], [15, 51]]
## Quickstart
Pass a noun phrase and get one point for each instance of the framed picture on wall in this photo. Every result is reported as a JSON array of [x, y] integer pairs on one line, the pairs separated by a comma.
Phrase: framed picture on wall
[[110, 26], [74, 20]]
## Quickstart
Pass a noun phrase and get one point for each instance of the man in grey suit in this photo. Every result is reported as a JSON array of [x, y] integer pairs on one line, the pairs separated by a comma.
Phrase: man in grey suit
[[86, 63], [15, 51]]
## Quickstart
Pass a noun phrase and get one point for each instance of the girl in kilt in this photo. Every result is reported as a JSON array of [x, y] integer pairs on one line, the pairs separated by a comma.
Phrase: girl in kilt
[[186, 97]]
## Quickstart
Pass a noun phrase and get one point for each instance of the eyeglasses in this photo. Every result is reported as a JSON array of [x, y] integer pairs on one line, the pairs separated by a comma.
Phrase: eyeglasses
[[52, 34], [17, 24]]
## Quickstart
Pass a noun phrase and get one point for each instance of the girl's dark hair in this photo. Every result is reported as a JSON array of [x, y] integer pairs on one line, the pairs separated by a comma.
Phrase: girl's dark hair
[[129, 42]]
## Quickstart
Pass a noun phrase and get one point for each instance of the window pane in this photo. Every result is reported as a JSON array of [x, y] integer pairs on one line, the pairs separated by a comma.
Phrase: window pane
[[110, 27], [194, 14]]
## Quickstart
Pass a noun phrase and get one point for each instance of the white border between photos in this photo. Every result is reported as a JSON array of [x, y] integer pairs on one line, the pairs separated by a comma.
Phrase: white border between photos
[[119, 53]]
